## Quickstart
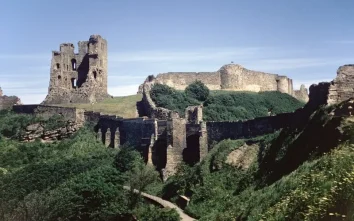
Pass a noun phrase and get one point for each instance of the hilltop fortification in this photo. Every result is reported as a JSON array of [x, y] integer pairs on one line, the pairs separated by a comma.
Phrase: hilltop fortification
[[79, 77], [232, 77]]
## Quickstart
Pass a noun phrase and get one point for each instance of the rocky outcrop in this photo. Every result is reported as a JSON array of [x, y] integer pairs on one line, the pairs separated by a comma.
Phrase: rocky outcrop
[[38, 130], [7, 102], [243, 156]]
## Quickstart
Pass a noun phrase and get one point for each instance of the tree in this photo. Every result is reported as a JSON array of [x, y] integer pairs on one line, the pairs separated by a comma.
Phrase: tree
[[197, 90], [139, 178]]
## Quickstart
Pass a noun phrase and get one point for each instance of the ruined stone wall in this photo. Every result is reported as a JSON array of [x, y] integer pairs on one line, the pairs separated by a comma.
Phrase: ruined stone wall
[[342, 87], [176, 144], [229, 77], [180, 80], [131, 131], [37, 131], [6, 102], [79, 77], [238, 78], [148, 107], [218, 131], [69, 113], [319, 94], [302, 94]]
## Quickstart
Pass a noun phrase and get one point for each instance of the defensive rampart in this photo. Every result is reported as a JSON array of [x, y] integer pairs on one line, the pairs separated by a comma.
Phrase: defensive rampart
[[231, 77]]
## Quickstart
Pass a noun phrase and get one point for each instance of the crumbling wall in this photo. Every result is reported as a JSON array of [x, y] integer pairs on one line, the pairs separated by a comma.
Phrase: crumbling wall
[[37, 131], [342, 87], [302, 94], [180, 80], [148, 107], [229, 77], [218, 131], [176, 142], [238, 78], [79, 77], [69, 113], [194, 114], [6, 102]]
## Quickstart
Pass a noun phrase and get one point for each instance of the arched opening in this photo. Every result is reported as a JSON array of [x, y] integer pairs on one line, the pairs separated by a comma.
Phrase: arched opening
[[57, 66], [73, 64], [191, 154], [59, 77], [73, 82], [94, 74], [159, 154]]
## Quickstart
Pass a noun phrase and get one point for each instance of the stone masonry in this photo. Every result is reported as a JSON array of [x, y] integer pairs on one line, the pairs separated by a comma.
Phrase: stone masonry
[[79, 77], [342, 87], [231, 77]]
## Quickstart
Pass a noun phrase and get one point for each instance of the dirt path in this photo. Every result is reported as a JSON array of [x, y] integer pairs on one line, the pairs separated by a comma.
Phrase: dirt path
[[165, 204]]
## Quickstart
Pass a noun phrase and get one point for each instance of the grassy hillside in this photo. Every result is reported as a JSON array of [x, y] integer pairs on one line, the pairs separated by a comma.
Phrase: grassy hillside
[[121, 106], [226, 105], [301, 173]]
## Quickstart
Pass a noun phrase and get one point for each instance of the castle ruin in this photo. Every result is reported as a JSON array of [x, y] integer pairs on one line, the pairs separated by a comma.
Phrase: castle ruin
[[6, 102], [232, 77], [79, 77]]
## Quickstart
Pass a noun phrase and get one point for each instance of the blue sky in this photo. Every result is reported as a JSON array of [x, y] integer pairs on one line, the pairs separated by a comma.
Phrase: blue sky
[[306, 40]]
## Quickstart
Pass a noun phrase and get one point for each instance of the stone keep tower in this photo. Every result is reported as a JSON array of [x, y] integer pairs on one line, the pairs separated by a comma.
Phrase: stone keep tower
[[79, 77]]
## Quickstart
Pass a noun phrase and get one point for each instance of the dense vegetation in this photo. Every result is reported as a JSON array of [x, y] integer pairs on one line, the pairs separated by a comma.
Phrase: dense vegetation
[[224, 105], [74, 179], [303, 173]]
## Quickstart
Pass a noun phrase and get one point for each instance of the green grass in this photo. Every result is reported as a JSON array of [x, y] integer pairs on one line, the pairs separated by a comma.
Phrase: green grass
[[121, 106]]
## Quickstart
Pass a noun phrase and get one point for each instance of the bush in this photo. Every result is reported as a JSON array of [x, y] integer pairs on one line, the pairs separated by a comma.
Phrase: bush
[[197, 90], [152, 213], [55, 122], [167, 97], [13, 125]]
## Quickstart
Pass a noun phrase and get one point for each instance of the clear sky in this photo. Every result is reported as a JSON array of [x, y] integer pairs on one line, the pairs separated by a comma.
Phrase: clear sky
[[306, 40]]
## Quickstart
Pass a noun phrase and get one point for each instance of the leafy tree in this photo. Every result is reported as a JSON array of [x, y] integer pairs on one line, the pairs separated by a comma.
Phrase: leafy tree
[[197, 90]]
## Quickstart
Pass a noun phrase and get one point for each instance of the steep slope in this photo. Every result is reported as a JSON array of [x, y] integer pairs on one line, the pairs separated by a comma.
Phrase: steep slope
[[303, 172]]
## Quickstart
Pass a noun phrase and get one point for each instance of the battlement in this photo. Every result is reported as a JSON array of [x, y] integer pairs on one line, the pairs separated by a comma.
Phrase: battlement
[[78, 77]]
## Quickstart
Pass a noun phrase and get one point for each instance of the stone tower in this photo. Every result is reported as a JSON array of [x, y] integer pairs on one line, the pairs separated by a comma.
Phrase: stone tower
[[79, 77]]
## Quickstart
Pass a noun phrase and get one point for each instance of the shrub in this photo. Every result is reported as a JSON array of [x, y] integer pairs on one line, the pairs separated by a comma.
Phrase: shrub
[[167, 97], [224, 105], [152, 213], [54, 122]]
